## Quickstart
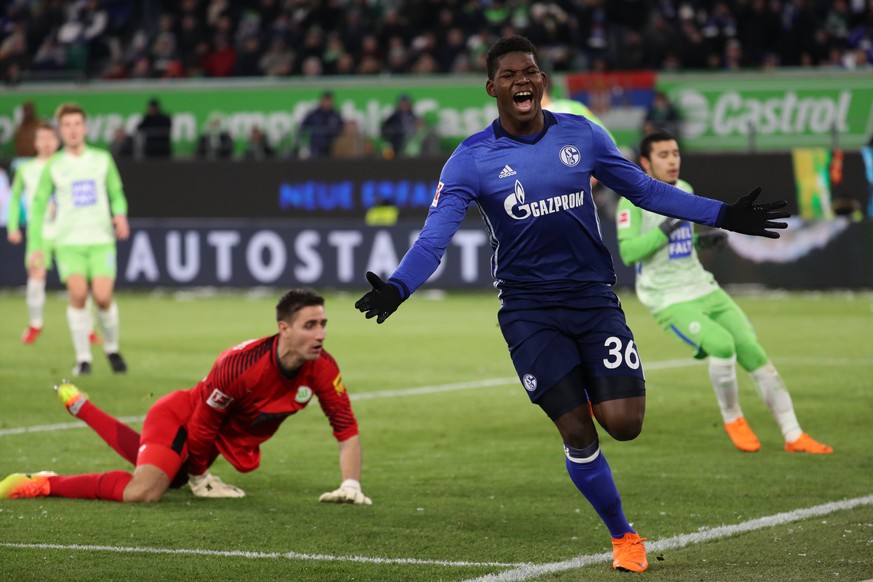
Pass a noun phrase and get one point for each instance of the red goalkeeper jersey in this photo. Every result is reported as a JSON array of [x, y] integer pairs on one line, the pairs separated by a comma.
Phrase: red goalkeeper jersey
[[246, 397]]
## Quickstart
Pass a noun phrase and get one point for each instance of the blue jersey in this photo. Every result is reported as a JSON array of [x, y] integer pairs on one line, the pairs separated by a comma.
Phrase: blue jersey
[[534, 195]]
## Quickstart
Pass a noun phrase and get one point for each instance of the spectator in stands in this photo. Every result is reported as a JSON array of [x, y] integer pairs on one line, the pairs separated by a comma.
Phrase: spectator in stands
[[13, 50], [164, 48], [400, 125], [333, 50], [320, 128], [249, 57], [258, 148], [190, 34], [351, 142], [426, 37], [662, 115], [424, 141], [221, 59], [278, 61], [215, 143], [345, 65], [142, 69], [312, 67], [121, 145], [50, 56], [84, 34], [25, 133], [117, 70], [396, 62], [155, 131]]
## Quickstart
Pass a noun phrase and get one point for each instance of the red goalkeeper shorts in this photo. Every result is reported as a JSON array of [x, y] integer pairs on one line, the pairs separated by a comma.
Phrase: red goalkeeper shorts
[[164, 440]]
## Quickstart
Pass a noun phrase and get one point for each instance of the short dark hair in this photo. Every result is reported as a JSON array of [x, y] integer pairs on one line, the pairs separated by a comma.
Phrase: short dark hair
[[295, 300], [509, 44], [654, 137]]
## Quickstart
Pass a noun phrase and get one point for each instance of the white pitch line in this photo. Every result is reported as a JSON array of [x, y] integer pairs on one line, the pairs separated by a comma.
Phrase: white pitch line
[[486, 383], [261, 555], [60, 426], [519, 572], [526, 572]]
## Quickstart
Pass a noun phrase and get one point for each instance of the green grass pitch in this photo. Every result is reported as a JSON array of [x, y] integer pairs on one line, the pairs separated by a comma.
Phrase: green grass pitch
[[467, 478]]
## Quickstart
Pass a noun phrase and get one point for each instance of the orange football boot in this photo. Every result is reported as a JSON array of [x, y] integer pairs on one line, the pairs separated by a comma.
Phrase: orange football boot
[[806, 444], [742, 436], [629, 553]]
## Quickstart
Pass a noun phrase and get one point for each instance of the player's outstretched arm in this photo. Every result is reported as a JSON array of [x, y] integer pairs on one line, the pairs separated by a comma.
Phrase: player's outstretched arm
[[381, 301], [746, 217]]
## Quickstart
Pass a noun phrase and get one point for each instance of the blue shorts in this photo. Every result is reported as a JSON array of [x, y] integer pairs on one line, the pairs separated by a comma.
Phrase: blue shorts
[[546, 344]]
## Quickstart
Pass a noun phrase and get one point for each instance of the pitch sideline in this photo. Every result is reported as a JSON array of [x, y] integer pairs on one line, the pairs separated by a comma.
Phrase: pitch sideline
[[529, 571], [519, 572]]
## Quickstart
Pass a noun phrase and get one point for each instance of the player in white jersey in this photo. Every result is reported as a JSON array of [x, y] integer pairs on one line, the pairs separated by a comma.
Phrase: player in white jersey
[[91, 215], [687, 301]]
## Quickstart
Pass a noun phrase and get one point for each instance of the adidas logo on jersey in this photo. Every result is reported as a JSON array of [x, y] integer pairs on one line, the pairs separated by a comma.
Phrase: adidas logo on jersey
[[506, 172]]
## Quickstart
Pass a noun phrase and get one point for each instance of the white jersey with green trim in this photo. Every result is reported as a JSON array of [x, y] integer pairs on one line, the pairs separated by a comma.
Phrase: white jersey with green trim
[[82, 186], [672, 274], [30, 172]]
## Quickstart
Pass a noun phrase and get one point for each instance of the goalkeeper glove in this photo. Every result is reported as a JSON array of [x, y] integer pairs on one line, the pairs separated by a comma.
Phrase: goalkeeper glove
[[381, 302], [208, 485], [669, 225], [712, 239], [746, 217], [349, 492]]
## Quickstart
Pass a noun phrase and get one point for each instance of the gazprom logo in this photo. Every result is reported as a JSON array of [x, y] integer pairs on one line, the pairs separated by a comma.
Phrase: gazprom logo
[[516, 207], [514, 203]]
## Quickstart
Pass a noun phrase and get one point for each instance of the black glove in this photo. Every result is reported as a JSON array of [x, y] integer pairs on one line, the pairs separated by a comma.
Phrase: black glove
[[746, 217], [669, 225], [712, 239], [381, 302]]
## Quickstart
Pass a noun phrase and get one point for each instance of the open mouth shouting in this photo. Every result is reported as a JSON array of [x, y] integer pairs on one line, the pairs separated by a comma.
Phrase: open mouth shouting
[[524, 101]]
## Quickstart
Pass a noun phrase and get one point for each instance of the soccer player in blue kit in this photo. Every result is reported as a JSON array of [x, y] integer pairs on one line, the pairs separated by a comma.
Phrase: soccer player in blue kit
[[529, 173]]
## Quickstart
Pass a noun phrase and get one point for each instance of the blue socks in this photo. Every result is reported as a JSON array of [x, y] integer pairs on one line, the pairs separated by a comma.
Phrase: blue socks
[[590, 472]]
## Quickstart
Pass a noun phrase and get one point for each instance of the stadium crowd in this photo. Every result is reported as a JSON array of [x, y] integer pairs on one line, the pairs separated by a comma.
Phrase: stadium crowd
[[118, 39]]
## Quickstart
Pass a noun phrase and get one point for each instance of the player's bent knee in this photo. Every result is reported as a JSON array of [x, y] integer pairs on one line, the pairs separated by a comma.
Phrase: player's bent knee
[[141, 496], [719, 344], [149, 484], [622, 418], [576, 427], [625, 432]]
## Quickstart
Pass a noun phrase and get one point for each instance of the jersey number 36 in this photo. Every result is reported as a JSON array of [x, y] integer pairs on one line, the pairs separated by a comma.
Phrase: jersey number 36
[[616, 357]]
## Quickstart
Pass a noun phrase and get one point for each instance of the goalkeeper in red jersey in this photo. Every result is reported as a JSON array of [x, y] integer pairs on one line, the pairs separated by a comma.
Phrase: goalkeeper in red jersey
[[252, 388]]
